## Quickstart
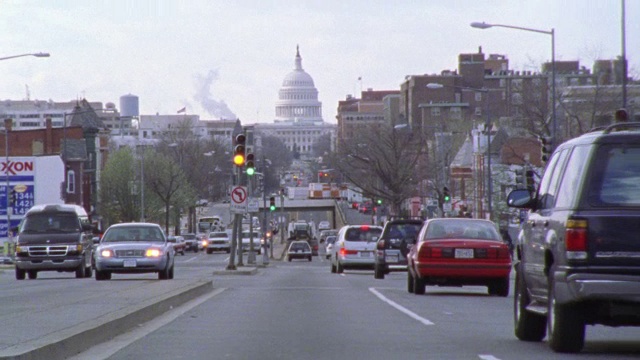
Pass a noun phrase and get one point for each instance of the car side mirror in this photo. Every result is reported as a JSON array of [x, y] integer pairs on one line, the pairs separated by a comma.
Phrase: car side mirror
[[95, 239]]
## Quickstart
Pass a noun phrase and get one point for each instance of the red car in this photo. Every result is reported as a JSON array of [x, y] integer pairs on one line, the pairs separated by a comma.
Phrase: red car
[[459, 251]]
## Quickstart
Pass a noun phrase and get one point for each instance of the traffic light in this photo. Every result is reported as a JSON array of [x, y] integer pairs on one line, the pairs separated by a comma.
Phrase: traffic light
[[379, 201], [239, 149], [12, 197], [446, 196], [520, 180], [622, 115], [272, 203], [251, 166], [529, 180], [546, 148]]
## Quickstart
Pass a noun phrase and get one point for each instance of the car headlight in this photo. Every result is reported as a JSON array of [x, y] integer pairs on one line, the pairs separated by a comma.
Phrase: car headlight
[[204, 243], [153, 253], [106, 253]]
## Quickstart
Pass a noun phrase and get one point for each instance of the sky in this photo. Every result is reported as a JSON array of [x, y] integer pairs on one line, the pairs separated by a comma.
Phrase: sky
[[227, 59]]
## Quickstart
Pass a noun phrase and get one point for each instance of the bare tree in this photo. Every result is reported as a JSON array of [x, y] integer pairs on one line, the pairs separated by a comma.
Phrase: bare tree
[[382, 161]]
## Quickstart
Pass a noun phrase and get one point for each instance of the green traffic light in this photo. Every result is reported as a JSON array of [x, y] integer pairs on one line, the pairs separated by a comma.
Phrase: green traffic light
[[272, 207], [379, 201], [251, 171]]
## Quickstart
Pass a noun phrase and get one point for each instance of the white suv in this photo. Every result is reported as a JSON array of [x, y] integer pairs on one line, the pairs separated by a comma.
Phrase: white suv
[[355, 247]]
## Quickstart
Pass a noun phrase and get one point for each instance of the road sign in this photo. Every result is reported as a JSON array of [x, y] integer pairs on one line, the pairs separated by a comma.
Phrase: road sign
[[239, 200], [253, 205]]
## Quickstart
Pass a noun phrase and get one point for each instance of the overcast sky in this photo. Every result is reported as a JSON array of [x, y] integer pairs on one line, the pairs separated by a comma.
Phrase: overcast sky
[[228, 58]]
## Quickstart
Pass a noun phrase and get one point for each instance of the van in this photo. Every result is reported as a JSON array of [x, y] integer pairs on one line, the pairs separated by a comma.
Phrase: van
[[54, 237]]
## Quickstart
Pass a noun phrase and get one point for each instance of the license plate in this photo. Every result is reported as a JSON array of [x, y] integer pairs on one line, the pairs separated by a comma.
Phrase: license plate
[[365, 254], [129, 263], [392, 258], [464, 254]]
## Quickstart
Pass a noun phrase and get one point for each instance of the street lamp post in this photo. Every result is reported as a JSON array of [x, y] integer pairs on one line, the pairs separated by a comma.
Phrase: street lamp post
[[483, 25], [487, 129]]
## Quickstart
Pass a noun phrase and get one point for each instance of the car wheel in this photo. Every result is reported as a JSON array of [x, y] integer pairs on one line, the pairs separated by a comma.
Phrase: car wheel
[[565, 325], [418, 286], [80, 270], [228, 251], [195, 250], [164, 274], [102, 275], [378, 273], [339, 268], [32, 274], [88, 272], [20, 274], [499, 287], [209, 251], [333, 268], [410, 283], [171, 272], [310, 258], [528, 326], [289, 258]]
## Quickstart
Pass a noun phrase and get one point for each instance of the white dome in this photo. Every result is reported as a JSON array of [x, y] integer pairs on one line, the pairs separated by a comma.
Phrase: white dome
[[298, 96]]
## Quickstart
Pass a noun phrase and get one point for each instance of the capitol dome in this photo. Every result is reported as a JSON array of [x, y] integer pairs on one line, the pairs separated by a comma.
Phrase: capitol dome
[[298, 96]]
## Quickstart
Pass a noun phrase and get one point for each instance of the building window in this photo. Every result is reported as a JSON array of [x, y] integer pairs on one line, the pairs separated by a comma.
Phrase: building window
[[455, 113], [71, 182], [478, 96], [435, 111], [478, 111]]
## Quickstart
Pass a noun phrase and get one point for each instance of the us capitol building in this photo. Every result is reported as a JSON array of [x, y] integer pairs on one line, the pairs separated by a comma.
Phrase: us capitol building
[[298, 122]]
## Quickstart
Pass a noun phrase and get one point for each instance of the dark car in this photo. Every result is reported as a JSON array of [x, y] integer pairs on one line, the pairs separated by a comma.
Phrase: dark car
[[577, 253], [191, 241], [398, 235]]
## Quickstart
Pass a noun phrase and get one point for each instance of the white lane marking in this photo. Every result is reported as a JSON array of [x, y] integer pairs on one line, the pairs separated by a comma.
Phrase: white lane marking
[[107, 349], [401, 308], [192, 258], [488, 357]]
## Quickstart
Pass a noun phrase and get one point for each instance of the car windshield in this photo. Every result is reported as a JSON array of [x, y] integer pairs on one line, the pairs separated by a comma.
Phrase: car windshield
[[299, 246], [363, 234], [218, 235], [130, 233], [189, 236], [467, 229], [403, 233], [58, 222], [331, 239]]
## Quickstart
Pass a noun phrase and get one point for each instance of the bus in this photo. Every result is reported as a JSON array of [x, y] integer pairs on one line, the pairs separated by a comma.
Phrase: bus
[[206, 224]]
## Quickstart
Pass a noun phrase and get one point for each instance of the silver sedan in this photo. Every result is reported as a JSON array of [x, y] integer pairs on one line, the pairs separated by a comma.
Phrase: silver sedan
[[134, 248]]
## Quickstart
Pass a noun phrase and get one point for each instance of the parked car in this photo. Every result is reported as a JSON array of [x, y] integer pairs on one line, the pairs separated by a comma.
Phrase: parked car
[[354, 247], [191, 241], [329, 241], [299, 250], [398, 236], [54, 237], [179, 244], [218, 241], [457, 252], [577, 249], [133, 248]]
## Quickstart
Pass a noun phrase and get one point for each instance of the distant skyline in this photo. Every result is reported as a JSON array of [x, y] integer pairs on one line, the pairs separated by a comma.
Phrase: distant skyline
[[221, 59]]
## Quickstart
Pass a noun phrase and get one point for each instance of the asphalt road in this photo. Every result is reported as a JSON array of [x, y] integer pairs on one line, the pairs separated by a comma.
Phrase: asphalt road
[[299, 310]]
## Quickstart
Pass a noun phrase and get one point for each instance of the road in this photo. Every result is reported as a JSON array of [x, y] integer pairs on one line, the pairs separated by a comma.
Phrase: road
[[299, 310]]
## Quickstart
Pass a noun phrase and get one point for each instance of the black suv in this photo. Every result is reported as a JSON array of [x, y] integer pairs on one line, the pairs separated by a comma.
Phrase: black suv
[[577, 255], [398, 235]]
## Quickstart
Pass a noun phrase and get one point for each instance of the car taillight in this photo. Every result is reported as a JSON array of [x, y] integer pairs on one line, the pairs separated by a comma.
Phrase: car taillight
[[344, 251], [492, 253], [575, 239]]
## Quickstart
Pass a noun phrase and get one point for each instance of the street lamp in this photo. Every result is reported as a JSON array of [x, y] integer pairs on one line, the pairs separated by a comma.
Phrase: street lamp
[[40, 54], [487, 129], [483, 25]]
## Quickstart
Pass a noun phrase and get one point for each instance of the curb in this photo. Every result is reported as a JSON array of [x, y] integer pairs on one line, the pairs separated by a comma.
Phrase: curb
[[74, 340], [240, 271]]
